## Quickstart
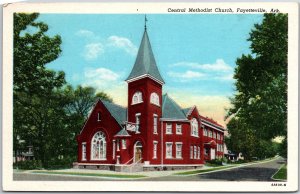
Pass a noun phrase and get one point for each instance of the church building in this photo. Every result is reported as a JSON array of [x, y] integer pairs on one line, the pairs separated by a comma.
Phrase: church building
[[152, 133]]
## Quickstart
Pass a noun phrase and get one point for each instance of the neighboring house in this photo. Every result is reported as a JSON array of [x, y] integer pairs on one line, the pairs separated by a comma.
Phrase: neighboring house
[[22, 156], [153, 133]]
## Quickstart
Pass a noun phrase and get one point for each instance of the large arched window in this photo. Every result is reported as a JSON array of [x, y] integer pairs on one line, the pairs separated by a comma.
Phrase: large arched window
[[154, 99], [194, 127], [137, 98], [98, 146]]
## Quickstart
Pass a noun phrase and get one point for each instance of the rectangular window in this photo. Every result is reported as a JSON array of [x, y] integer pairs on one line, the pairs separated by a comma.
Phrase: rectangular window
[[218, 136], [169, 150], [205, 132], [195, 152], [209, 133], [155, 124], [168, 128], [154, 149], [114, 149], [123, 143], [179, 150], [214, 135], [118, 145], [99, 116], [199, 152], [83, 151], [137, 121], [191, 152], [178, 129]]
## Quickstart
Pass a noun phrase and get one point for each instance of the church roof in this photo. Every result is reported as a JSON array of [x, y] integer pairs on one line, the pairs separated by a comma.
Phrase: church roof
[[171, 110], [117, 111], [186, 111], [145, 62], [123, 132]]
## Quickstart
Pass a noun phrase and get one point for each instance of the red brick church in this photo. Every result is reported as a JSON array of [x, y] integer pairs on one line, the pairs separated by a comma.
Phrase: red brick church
[[152, 133]]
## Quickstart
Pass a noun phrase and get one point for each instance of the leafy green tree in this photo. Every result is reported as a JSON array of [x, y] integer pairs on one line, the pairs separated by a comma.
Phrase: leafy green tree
[[261, 82], [37, 105]]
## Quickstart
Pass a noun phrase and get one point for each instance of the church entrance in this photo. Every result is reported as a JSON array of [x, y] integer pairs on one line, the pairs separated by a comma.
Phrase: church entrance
[[138, 150]]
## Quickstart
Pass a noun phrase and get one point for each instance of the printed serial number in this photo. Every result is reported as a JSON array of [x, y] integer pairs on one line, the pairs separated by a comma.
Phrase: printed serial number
[[278, 184]]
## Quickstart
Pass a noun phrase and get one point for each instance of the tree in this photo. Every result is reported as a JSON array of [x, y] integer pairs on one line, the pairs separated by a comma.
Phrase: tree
[[35, 87], [261, 80]]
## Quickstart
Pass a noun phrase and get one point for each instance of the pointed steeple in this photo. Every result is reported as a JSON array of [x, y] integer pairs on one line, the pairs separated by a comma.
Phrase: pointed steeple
[[145, 64]]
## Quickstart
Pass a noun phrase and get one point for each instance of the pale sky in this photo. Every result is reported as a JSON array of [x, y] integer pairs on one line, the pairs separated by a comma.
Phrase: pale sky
[[195, 54]]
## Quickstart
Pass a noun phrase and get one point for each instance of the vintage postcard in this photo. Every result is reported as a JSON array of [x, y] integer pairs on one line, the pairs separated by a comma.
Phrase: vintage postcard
[[150, 97]]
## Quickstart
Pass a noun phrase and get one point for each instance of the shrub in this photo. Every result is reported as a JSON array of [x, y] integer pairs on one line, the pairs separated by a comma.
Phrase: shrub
[[28, 165]]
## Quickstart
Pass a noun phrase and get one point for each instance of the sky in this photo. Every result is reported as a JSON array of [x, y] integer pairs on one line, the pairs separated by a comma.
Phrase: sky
[[195, 53]]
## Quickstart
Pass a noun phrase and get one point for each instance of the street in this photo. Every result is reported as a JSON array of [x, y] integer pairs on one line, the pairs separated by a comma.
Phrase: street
[[253, 172]]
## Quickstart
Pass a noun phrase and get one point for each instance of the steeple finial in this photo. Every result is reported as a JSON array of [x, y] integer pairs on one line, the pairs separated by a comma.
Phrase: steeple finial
[[146, 22]]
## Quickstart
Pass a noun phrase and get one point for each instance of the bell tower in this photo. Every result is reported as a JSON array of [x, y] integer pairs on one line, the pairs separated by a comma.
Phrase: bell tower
[[145, 97]]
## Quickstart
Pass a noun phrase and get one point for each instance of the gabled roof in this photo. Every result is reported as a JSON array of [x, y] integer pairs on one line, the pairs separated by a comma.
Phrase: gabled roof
[[145, 62], [188, 111], [117, 111], [122, 133], [171, 110]]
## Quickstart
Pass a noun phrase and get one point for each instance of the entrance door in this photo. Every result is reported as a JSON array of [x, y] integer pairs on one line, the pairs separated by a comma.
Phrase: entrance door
[[212, 154], [138, 152]]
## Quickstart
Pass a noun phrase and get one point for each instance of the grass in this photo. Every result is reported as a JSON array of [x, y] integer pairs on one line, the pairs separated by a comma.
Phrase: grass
[[202, 171], [92, 174], [281, 174]]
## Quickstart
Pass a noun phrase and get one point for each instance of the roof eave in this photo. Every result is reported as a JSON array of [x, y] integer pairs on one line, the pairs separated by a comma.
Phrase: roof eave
[[144, 76]]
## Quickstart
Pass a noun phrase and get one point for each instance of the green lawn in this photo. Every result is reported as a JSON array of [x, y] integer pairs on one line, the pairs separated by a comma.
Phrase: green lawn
[[91, 174], [202, 171], [281, 174]]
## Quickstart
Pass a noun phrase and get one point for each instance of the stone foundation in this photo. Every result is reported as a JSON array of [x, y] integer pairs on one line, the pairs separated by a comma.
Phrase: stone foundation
[[169, 168], [119, 168]]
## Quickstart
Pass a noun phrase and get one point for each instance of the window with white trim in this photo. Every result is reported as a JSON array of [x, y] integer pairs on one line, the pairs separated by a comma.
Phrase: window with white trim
[[194, 127], [191, 152], [114, 149], [154, 149], [198, 152], [98, 146], [205, 132], [137, 98], [83, 157], [195, 152], [214, 135], [178, 150], [209, 133], [123, 143], [168, 128], [154, 99], [155, 124], [118, 145], [137, 121], [178, 129], [218, 136], [169, 149]]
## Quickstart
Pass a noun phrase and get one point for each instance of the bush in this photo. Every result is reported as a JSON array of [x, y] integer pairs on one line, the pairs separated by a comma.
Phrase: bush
[[215, 162], [60, 163], [28, 165]]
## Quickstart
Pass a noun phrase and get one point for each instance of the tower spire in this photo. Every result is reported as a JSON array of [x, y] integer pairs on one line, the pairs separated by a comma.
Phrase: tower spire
[[146, 22]]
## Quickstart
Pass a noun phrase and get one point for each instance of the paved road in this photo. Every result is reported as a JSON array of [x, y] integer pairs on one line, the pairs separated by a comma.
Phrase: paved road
[[255, 172]]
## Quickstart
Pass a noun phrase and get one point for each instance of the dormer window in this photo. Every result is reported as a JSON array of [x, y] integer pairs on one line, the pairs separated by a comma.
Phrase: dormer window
[[154, 99], [137, 98]]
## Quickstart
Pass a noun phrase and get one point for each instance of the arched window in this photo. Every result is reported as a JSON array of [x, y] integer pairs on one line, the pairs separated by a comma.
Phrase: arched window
[[137, 98], [154, 99], [194, 127], [98, 146]]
